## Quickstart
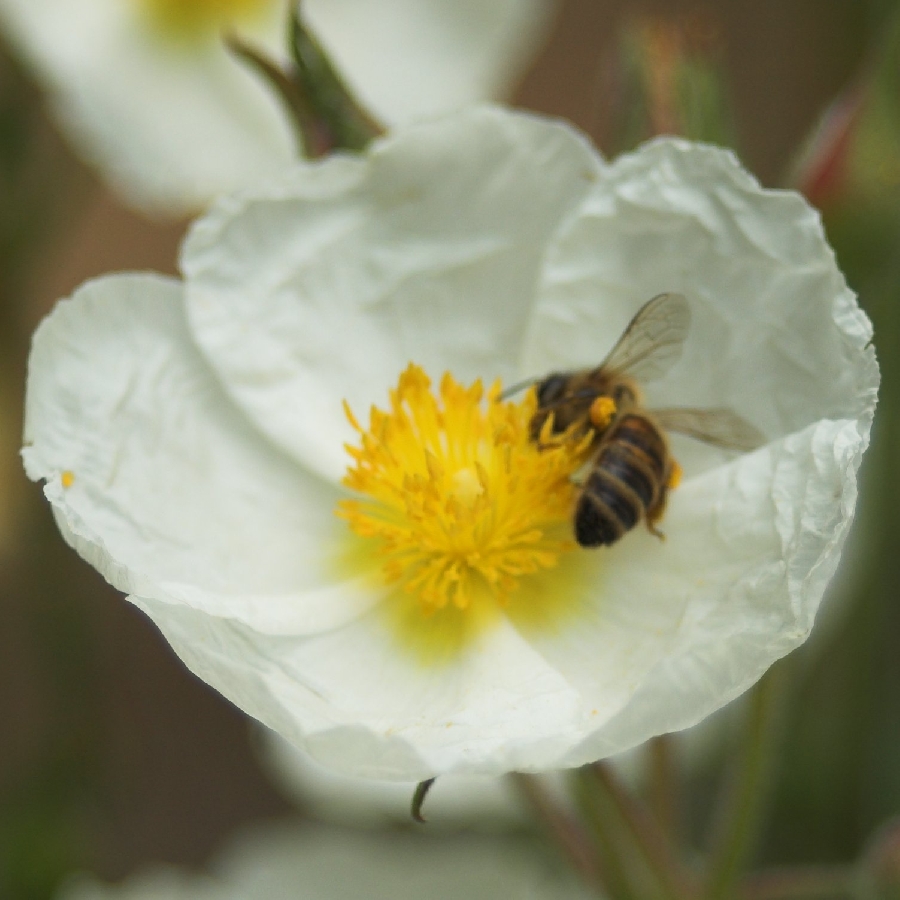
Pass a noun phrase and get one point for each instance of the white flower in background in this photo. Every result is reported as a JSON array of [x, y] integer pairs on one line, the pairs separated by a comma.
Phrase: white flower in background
[[148, 93], [283, 863], [192, 437]]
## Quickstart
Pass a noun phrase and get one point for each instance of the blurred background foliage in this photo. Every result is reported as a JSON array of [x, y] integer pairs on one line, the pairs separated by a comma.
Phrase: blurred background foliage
[[111, 755]]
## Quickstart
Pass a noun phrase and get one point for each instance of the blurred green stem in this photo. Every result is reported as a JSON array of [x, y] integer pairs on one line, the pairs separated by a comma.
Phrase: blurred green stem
[[738, 824], [325, 114], [336, 107], [637, 857], [621, 869], [563, 828], [634, 823], [800, 883], [663, 780]]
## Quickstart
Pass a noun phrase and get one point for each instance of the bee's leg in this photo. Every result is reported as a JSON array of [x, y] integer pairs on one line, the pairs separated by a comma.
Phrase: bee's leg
[[658, 507], [549, 444]]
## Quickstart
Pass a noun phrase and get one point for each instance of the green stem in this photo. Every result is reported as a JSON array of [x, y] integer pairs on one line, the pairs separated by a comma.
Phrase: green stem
[[336, 108], [739, 821], [311, 142], [663, 781], [566, 832], [634, 820], [625, 871], [800, 883], [325, 114]]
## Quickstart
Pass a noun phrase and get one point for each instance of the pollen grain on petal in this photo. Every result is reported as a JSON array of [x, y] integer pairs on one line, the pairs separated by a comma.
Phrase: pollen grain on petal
[[464, 507]]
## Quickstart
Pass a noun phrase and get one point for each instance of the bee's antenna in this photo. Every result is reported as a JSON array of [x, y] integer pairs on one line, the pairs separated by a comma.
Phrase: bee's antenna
[[518, 386]]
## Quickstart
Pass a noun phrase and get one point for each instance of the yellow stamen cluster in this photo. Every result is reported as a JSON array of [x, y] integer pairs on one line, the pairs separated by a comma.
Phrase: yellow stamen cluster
[[461, 502], [190, 18]]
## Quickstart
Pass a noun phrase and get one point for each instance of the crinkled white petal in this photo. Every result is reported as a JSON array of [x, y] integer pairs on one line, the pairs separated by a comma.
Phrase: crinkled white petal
[[471, 244], [173, 126], [750, 547], [407, 59], [322, 286], [675, 630], [359, 704], [776, 334], [173, 495], [291, 863], [169, 126], [472, 800]]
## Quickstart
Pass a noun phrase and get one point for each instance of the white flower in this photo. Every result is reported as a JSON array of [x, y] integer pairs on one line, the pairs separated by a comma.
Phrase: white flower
[[148, 93], [192, 440], [283, 863]]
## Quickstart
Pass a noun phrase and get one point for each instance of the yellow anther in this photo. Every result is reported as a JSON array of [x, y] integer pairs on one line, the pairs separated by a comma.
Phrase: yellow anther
[[462, 502], [67, 478], [602, 411], [675, 475]]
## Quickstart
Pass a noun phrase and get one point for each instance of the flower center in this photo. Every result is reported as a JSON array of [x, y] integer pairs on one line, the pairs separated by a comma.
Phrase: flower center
[[461, 504], [193, 18]]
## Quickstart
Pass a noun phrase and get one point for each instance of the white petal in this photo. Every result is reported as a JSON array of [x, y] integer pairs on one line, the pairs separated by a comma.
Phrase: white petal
[[360, 704], [323, 286], [735, 586], [412, 58], [173, 495], [776, 334], [749, 550], [454, 800], [171, 127], [292, 863]]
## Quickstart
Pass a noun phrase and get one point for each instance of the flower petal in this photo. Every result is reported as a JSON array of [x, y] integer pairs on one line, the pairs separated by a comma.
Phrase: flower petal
[[322, 286], [496, 708], [178, 124], [412, 58], [475, 801], [279, 862], [170, 126], [159, 481], [750, 548], [776, 334]]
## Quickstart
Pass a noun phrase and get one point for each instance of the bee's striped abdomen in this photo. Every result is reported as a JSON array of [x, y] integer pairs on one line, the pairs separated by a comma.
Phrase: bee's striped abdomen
[[627, 480]]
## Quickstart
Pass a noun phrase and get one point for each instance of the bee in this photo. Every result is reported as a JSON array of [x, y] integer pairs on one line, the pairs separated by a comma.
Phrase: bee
[[631, 470]]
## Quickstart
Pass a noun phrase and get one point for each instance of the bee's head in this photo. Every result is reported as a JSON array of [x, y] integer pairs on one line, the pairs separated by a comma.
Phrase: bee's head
[[551, 389]]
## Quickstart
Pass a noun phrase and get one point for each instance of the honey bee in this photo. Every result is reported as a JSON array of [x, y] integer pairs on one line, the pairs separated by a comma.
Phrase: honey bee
[[631, 470]]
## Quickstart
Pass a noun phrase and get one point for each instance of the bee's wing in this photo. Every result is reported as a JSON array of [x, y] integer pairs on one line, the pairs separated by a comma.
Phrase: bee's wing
[[652, 342], [720, 427]]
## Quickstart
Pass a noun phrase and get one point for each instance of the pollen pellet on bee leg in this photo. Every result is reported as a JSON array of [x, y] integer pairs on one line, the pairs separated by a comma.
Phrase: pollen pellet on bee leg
[[676, 473], [601, 412]]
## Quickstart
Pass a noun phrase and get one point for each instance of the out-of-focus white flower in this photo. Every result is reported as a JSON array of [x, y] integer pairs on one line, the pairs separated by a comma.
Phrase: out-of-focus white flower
[[319, 864], [192, 437], [149, 94]]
